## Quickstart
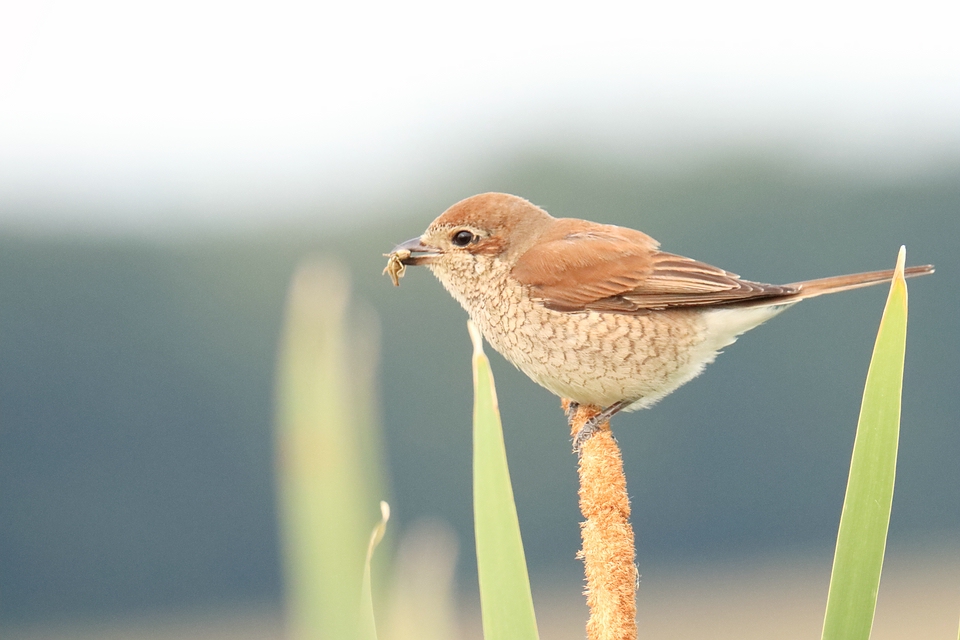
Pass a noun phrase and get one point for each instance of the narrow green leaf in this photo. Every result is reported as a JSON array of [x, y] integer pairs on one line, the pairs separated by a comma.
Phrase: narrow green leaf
[[368, 623], [862, 537], [505, 600], [324, 476]]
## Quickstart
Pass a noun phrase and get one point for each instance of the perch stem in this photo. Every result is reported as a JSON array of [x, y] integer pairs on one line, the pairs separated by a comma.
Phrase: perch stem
[[608, 543]]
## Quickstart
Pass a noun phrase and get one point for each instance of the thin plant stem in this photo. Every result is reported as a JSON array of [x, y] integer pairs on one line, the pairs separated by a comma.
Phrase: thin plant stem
[[608, 543]]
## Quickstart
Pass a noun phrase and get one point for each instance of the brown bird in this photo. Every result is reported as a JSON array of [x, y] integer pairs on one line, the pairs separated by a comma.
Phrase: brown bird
[[593, 312]]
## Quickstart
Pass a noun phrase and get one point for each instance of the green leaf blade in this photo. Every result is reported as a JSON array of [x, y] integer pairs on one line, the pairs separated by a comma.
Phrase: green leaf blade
[[325, 474], [505, 598], [368, 623], [861, 540]]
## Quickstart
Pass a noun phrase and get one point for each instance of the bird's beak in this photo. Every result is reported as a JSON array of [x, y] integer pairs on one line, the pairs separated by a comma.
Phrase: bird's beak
[[419, 253]]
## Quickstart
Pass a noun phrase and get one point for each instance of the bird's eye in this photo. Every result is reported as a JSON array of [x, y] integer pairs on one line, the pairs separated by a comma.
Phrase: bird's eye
[[462, 238]]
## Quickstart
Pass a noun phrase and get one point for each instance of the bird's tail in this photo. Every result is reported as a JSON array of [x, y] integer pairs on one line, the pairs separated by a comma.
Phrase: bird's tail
[[821, 286]]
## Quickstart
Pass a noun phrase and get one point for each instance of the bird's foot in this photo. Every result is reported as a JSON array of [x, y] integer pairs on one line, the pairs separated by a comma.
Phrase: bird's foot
[[590, 427], [593, 424]]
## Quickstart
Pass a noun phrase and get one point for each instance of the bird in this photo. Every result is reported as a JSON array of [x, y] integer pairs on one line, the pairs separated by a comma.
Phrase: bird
[[596, 313]]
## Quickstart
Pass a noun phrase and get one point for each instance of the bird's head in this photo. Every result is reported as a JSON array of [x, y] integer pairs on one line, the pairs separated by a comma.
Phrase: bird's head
[[475, 234]]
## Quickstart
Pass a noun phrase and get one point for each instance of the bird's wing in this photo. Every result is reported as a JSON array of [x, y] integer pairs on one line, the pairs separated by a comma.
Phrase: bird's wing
[[608, 268]]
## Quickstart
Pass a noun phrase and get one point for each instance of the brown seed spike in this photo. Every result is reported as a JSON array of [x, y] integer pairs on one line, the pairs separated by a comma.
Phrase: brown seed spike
[[608, 543]]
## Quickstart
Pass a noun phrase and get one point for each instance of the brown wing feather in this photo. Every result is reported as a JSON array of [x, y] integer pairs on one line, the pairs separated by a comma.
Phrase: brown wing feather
[[580, 263], [608, 268]]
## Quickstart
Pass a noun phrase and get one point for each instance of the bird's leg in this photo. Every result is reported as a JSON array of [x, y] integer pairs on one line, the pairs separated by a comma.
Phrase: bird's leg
[[611, 411], [570, 409], [592, 425]]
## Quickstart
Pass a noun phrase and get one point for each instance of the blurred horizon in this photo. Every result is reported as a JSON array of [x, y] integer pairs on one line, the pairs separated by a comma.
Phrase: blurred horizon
[[145, 118], [163, 213]]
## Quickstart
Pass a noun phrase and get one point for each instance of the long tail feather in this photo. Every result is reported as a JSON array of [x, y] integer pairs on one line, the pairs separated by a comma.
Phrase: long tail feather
[[821, 286]]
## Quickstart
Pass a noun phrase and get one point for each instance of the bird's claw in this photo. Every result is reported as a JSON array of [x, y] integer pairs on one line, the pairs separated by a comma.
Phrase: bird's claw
[[589, 428], [592, 425]]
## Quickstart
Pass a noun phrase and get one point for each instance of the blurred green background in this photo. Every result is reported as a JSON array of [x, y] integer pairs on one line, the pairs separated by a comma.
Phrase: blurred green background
[[136, 378], [165, 167]]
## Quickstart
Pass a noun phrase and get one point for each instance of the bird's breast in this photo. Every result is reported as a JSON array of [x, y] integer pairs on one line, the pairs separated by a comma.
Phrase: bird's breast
[[592, 357]]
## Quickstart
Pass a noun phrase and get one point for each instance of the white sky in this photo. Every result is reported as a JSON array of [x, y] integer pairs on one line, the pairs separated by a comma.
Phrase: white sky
[[138, 108]]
